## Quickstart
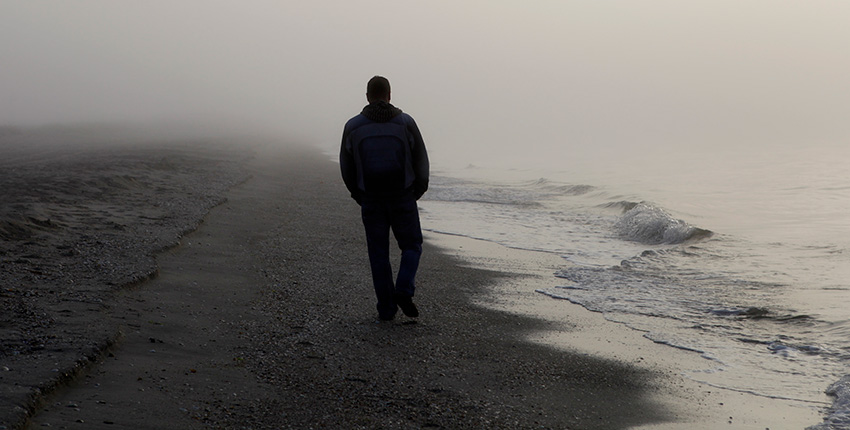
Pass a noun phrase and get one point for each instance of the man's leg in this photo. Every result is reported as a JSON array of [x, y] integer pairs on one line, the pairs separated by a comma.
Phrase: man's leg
[[408, 233], [377, 224]]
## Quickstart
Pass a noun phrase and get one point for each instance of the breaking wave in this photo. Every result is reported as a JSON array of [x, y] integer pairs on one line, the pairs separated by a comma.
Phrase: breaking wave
[[648, 224], [839, 413]]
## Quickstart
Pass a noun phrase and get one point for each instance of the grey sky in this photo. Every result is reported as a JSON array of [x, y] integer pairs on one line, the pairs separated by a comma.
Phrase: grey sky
[[485, 79]]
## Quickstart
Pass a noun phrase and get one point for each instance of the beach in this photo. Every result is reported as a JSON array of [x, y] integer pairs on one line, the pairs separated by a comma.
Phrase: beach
[[224, 283]]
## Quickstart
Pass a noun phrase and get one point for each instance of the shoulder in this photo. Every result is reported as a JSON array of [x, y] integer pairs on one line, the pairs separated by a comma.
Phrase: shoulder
[[406, 119], [356, 122]]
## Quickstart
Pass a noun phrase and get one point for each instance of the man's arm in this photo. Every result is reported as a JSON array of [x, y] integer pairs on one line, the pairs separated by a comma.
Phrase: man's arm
[[348, 168], [419, 155]]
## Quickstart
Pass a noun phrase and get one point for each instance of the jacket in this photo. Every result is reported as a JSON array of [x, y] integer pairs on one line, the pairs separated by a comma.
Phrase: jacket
[[383, 155]]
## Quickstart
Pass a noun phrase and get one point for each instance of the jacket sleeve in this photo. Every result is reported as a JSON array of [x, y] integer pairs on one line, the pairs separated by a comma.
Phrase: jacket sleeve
[[419, 155], [347, 167]]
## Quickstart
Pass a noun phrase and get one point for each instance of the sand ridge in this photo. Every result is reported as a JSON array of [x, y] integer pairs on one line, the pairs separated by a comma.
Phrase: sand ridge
[[84, 212]]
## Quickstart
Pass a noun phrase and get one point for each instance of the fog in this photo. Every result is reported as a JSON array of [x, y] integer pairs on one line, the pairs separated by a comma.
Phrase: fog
[[487, 81]]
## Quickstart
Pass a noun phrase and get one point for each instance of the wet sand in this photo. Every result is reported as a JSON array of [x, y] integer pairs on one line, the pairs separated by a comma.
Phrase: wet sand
[[573, 329], [263, 317]]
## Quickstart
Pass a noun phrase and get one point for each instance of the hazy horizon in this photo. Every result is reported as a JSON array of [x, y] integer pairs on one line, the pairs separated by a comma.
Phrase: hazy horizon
[[487, 81]]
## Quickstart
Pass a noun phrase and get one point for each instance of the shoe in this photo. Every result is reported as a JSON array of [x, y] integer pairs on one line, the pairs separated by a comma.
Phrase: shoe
[[385, 314], [406, 305]]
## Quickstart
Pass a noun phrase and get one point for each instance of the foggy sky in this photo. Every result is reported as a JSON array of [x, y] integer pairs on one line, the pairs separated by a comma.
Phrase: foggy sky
[[485, 80]]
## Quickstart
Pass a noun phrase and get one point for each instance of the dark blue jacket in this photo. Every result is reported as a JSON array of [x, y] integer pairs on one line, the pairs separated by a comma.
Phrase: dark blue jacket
[[382, 155]]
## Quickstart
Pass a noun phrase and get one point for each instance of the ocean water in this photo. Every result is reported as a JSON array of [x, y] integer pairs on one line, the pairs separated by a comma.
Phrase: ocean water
[[740, 255]]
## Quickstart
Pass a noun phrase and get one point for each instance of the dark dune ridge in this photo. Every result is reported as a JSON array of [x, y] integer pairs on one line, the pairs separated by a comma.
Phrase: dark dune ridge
[[263, 317]]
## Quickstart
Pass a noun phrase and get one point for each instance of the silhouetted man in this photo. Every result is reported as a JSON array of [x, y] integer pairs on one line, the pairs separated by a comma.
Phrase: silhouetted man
[[385, 167]]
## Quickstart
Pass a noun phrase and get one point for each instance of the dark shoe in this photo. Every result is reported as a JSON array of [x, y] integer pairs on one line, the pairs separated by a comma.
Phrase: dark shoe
[[387, 312], [387, 316], [406, 305]]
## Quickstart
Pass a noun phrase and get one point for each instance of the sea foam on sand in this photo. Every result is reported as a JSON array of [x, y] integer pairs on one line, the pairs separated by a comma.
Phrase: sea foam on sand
[[693, 405]]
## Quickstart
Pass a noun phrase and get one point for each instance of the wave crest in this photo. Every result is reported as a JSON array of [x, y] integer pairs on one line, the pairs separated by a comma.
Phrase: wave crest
[[648, 224], [839, 413]]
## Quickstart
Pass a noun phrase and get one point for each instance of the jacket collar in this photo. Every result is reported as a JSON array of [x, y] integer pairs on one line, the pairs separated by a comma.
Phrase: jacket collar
[[380, 111]]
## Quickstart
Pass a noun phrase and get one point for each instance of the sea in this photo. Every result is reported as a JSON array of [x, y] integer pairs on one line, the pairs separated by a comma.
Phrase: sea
[[739, 254]]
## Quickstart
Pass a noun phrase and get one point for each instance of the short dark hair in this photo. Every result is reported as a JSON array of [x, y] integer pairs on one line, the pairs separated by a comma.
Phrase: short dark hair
[[378, 88]]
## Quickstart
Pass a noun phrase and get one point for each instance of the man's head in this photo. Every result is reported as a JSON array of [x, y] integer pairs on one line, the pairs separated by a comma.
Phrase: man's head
[[378, 89]]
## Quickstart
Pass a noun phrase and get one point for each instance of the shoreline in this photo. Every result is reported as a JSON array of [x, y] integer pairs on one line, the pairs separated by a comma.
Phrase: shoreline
[[264, 317], [697, 405]]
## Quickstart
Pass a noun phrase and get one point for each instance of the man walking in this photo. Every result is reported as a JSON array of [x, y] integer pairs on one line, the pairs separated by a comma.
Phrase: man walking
[[385, 167]]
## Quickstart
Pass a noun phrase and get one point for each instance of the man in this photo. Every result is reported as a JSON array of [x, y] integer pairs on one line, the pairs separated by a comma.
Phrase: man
[[385, 167]]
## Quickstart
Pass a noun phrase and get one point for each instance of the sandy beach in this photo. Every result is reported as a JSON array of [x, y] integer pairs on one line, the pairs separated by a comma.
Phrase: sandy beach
[[85, 211], [224, 286]]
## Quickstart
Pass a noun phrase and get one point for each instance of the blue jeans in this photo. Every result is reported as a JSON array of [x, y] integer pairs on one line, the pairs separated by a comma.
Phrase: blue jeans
[[402, 217]]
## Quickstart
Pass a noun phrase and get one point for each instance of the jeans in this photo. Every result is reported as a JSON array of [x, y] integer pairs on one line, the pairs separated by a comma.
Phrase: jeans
[[402, 217]]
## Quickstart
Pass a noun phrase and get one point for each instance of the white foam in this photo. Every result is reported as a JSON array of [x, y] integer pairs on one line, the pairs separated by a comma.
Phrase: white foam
[[839, 414], [649, 224]]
